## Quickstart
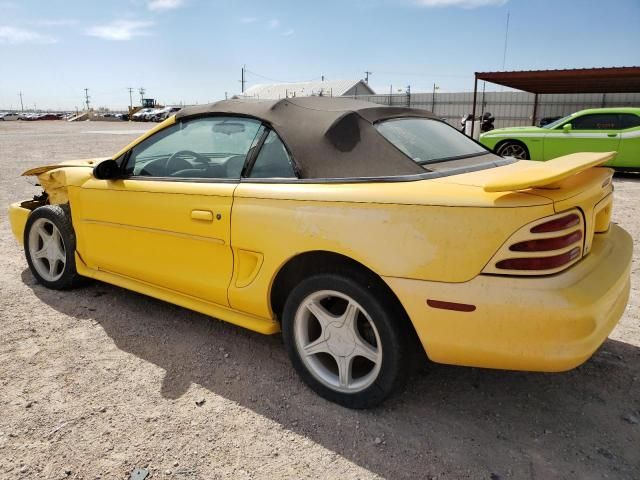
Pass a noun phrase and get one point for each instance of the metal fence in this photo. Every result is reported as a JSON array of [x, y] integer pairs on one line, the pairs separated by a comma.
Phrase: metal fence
[[508, 108]]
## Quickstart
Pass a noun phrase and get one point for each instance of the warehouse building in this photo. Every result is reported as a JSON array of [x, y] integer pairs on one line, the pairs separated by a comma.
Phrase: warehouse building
[[333, 88]]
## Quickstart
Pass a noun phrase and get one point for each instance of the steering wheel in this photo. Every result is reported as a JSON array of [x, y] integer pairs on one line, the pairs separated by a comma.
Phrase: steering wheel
[[173, 159]]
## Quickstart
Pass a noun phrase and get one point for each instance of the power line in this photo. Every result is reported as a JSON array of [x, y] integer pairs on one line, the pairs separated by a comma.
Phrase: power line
[[418, 74], [246, 70]]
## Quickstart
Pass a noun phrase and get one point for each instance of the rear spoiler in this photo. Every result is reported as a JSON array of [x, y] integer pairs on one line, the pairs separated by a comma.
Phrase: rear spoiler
[[530, 174]]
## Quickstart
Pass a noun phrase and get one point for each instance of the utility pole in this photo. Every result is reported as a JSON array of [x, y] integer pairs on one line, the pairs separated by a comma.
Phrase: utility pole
[[130, 98], [408, 95], [86, 97], [433, 97], [242, 80], [141, 91], [366, 78], [322, 78], [21, 105]]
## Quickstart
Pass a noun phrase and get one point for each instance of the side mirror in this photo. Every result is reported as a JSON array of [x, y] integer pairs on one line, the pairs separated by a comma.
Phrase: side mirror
[[107, 170], [566, 128]]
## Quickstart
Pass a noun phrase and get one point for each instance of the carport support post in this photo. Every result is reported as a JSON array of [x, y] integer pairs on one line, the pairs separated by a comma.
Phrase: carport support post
[[535, 109], [473, 110]]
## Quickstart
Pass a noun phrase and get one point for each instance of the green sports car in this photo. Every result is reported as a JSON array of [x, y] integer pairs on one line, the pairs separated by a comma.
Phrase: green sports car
[[593, 130]]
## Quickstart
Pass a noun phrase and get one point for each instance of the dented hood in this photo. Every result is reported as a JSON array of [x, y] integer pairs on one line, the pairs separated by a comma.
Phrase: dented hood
[[56, 178], [90, 162]]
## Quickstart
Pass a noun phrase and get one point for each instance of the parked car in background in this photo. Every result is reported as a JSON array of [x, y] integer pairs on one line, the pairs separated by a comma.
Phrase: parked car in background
[[366, 234], [593, 130], [164, 113], [140, 115], [148, 116], [49, 116], [7, 116]]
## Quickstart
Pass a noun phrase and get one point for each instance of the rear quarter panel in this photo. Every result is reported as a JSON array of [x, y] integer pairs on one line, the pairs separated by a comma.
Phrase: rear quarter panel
[[390, 228]]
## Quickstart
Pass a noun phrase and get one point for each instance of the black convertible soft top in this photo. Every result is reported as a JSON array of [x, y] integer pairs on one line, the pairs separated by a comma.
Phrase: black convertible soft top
[[328, 137]]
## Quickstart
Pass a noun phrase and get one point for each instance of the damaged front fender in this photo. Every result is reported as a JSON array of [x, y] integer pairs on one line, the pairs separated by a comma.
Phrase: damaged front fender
[[56, 178]]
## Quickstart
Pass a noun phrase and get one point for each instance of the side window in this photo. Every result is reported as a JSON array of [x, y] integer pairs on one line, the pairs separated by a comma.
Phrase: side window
[[629, 120], [599, 121], [273, 160], [213, 147]]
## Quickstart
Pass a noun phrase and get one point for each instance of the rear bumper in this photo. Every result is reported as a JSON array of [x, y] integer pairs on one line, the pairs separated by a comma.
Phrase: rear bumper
[[18, 219], [551, 323]]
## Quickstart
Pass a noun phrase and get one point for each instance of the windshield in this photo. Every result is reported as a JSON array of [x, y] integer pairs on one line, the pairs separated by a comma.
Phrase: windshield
[[557, 122], [428, 141]]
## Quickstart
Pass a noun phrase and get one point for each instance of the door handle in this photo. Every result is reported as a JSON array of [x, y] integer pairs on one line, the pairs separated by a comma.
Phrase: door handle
[[203, 215]]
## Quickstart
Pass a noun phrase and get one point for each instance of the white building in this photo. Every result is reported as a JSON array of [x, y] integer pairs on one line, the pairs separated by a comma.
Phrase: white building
[[334, 88]]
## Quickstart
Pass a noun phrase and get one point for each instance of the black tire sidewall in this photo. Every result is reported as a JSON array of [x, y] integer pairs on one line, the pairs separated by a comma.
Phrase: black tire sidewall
[[61, 218], [387, 322], [511, 142]]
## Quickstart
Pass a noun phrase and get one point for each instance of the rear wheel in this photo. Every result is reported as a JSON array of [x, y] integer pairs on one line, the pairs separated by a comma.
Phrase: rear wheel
[[346, 340], [513, 149], [50, 245]]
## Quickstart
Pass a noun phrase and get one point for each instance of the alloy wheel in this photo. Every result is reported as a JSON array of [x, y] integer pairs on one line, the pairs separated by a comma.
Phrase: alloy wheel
[[47, 249], [514, 150], [337, 341]]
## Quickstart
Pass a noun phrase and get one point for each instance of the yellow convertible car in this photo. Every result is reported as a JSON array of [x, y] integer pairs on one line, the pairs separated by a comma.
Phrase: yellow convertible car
[[359, 231]]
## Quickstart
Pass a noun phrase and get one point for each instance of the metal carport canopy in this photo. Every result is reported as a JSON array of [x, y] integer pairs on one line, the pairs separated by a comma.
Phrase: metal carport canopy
[[580, 80]]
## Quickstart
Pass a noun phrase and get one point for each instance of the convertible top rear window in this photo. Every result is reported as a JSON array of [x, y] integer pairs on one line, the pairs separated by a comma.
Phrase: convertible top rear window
[[428, 141]]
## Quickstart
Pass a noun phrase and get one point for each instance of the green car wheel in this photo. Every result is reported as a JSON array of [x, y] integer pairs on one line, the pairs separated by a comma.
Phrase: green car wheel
[[513, 149]]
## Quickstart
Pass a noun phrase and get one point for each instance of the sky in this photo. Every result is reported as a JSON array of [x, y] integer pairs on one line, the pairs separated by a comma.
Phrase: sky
[[192, 51]]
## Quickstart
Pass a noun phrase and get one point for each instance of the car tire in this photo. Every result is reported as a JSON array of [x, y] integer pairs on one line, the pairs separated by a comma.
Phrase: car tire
[[355, 350], [513, 149], [50, 246]]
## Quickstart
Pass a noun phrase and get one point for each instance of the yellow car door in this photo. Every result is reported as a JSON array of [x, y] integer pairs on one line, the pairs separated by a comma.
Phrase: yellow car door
[[594, 132], [167, 221]]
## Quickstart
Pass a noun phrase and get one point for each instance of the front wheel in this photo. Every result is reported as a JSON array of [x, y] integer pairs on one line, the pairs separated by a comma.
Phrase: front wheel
[[513, 149], [50, 245], [346, 341]]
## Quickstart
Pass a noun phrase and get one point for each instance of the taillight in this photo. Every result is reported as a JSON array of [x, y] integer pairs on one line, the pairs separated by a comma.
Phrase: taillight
[[558, 224], [546, 246], [539, 263]]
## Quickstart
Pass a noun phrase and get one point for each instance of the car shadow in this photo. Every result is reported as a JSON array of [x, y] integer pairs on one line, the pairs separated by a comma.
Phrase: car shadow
[[576, 424], [627, 174]]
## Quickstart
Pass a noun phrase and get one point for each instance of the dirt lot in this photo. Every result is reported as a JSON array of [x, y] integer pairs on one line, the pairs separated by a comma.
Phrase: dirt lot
[[97, 381]]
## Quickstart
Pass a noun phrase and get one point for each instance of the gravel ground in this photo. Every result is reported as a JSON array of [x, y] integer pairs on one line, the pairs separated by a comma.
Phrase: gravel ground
[[97, 381]]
